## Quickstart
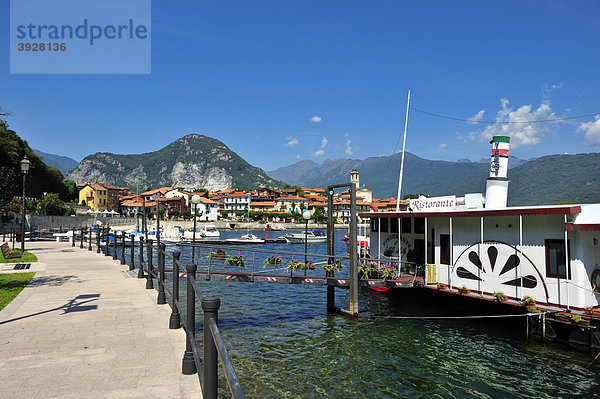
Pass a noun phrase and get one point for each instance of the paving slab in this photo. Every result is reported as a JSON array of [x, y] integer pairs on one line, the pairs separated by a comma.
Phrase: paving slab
[[83, 328]]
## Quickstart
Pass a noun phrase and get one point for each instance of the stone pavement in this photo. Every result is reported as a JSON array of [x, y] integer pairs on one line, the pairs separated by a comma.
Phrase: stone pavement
[[84, 329]]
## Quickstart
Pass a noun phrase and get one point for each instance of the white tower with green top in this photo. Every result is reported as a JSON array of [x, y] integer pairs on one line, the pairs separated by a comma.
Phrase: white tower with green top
[[496, 193]]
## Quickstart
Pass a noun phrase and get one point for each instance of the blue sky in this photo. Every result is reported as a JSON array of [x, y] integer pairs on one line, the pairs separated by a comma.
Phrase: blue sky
[[280, 81]]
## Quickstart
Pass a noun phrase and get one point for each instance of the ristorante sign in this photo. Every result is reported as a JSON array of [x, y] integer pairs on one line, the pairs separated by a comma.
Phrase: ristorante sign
[[433, 204]]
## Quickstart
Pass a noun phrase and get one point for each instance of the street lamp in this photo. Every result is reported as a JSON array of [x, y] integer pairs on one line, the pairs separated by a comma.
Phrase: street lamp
[[24, 169], [195, 201], [306, 216]]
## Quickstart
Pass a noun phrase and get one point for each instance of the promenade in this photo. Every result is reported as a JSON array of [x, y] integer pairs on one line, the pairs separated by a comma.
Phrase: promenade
[[84, 329]]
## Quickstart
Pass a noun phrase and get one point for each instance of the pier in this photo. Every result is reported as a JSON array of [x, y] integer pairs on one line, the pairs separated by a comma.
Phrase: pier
[[85, 328]]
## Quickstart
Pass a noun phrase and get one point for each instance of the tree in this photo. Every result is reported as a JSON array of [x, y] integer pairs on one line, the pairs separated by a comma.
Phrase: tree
[[319, 214], [223, 214], [174, 213], [187, 215], [51, 205]]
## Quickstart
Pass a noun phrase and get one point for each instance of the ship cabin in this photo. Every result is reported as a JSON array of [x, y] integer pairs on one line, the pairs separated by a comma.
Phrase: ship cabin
[[550, 253]]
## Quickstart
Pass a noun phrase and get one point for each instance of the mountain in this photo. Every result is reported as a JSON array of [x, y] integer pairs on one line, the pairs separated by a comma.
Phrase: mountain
[[64, 164], [193, 161], [546, 180]]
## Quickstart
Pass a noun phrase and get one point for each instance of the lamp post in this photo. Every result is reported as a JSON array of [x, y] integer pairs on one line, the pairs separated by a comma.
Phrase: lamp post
[[306, 216], [195, 201], [24, 169]]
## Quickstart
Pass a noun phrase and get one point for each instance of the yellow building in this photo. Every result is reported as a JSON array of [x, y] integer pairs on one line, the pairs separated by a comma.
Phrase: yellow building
[[94, 196]]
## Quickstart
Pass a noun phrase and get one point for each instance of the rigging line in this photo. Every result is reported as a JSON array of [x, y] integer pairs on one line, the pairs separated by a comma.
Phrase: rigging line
[[474, 122]]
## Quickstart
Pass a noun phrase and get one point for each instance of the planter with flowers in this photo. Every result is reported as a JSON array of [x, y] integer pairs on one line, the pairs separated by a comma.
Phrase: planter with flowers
[[464, 290], [333, 267], [500, 296], [219, 253], [441, 286], [592, 311], [236, 260], [273, 260], [295, 264], [368, 269], [528, 301]]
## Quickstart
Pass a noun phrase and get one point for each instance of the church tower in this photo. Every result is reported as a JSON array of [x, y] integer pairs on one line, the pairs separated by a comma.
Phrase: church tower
[[354, 177]]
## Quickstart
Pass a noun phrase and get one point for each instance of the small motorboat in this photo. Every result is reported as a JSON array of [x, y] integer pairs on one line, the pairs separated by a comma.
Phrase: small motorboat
[[210, 230], [245, 239], [311, 237], [274, 227]]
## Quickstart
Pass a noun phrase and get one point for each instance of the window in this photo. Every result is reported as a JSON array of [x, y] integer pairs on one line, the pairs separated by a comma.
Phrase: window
[[393, 225], [384, 225], [555, 258], [419, 225], [406, 225], [445, 249]]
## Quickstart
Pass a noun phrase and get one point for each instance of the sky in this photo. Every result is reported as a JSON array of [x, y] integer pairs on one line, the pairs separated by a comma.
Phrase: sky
[[283, 81]]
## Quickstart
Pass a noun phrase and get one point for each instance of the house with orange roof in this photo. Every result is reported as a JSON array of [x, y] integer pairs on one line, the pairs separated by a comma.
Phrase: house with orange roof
[[100, 197], [292, 204]]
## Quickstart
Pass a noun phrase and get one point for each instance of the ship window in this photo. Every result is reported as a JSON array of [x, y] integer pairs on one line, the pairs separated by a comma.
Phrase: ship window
[[394, 225], [406, 228], [384, 225], [445, 249], [373, 224], [555, 258], [419, 225]]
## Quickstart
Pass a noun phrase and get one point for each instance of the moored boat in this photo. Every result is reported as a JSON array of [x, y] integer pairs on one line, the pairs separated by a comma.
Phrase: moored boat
[[311, 237], [245, 239]]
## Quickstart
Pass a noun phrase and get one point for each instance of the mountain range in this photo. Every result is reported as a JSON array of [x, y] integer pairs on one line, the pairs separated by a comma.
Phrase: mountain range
[[546, 180], [64, 164], [196, 161], [193, 161]]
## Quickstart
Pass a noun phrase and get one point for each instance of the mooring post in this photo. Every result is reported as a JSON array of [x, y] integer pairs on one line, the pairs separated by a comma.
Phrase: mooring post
[[122, 247], [114, 246], [149, 281], [141, 259], [353, 258], [175, 319], [107, 253], [81, 238], [131, 258], [330, 250], [162, 297], [72, 239], [98, 233], [210, 306], [188, 365], [90, 239]]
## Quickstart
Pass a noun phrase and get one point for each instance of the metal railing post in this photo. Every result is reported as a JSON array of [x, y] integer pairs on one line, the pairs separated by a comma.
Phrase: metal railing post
[[188, 366], [175, 319], [114, 246], [90, 239], [107, 253], [141, 259], [81, 238], [149, 281], [210, 306], [162, 297], [132, 260], [122, 247], [98, 233], [72, 241]]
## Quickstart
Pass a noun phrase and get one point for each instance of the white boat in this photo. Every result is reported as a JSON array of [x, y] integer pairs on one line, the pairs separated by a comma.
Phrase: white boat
[[477, 244], [245, 239], [172, 235], [311, 237], [274, 227], [210, 230], [188, 235]]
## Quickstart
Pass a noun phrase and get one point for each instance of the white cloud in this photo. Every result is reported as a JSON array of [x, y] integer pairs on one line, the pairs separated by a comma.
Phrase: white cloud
[[441, 147], [321, 151], [348, 151], [477, 117], [291, 142], [591, 131], [316, 119], [520, 133], [547, 90], [297, 156]]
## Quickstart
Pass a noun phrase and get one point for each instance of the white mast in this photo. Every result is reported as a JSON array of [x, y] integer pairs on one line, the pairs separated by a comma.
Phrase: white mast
[[403, 148]]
